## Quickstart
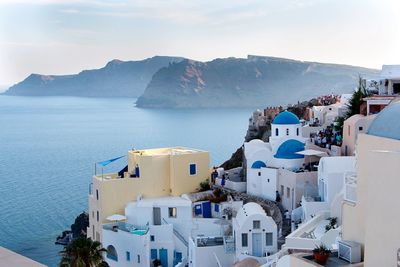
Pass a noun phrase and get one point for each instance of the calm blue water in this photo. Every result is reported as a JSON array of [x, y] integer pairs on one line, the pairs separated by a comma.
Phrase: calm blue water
[[48, 147]]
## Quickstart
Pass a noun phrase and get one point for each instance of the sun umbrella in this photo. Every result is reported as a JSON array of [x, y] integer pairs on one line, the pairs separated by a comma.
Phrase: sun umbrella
[[116, 217]]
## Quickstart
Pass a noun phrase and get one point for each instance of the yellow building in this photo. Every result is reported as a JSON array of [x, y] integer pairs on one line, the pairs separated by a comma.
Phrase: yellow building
[[151, 173], [374, 218]]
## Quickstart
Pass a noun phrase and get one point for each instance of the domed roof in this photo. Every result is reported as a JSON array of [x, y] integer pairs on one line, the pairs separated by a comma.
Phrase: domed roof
[[258, 164], [288, 149], [387, 123], [286, 117]]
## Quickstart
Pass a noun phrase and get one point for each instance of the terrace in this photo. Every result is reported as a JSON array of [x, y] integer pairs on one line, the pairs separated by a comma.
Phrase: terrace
[[126, 227], [312, 233]]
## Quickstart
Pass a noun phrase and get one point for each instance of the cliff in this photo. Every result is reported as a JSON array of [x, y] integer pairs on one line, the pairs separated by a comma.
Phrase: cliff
[[116, 79], [252, 82]]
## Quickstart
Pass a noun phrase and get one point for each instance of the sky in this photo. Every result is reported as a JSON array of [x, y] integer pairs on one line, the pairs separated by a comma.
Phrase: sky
[[67, 36]]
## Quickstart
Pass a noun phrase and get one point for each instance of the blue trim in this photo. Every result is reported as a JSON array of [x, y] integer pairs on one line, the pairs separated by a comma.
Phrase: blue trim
[[258, 164], [286, 117], [288, 149]]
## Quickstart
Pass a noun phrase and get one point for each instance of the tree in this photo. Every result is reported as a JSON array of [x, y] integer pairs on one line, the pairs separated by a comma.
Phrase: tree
[[357, 99], [83, 252]]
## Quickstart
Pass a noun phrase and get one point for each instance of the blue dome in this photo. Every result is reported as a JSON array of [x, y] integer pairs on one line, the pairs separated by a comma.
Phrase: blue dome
[[288, 149], [387, 123], [286, 117], [258, 165]]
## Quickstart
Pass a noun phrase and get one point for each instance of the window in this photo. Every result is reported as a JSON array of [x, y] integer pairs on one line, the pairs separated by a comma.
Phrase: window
[[244, 240], [192, 169], [268, 180], [256, 224], [216, 207], [287, 131], [348, 130], [98, 215], [152, 238], [268, 239], [138, 258], [97, 194], [282, 190], [259, 173], [287, 192], [93, 231], [112, 253], [93, 214], [128, 256], [360, 128], [276, 131], [172, 212], [297, 131]]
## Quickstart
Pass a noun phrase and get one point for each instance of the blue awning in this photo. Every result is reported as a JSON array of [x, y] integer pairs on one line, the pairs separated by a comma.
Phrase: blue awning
[[106, 162]]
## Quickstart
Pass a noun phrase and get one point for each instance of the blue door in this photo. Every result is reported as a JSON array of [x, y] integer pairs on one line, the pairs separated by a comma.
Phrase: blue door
[[257, 244], [153, 254], [206, 209], [164, 257]]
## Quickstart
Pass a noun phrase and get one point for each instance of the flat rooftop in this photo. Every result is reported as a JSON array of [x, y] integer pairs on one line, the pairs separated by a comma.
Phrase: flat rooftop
[[167, 151], [162, 201], [10, 258]]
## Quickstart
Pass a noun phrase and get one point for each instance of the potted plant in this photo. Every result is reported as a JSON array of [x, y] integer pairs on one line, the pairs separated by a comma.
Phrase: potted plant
[[332, 224], [156, 263], [321, 254]]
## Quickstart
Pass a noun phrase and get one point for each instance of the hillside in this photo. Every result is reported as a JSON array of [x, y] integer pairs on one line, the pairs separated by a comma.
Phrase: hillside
[[116, 79], [252, 82]]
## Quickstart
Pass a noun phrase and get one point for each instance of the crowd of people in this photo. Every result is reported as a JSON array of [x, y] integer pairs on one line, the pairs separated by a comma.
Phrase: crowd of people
[[326, 138], [327, 100]]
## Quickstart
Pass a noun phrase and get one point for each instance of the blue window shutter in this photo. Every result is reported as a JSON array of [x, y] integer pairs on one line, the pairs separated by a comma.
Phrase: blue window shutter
[[192, 169], [128, 256], [216, 208]]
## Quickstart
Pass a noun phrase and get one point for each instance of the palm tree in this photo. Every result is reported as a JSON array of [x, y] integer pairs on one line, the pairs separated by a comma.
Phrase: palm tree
[[83, 252]]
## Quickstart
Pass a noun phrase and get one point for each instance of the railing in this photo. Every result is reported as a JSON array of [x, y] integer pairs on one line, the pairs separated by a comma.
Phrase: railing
[[178, 235], [350, 187]]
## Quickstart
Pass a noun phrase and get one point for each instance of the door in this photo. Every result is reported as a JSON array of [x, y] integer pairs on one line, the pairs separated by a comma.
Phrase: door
[[164, 257], [157, 216], [206, 209], [257, 244]]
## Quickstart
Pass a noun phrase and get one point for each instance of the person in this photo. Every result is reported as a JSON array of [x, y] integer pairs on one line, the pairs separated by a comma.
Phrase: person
[[278, 197], [214, 175], [223, 180]]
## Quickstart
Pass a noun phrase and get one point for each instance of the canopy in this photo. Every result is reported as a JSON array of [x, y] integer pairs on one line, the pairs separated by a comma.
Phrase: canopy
[[116, 217], [106, 162], [311, 152]]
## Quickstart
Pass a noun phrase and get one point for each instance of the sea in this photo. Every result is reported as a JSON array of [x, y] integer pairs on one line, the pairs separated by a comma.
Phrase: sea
[[49, 146]]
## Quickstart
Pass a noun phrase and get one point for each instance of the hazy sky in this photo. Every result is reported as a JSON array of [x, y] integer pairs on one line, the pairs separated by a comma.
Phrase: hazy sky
[[66, 36]]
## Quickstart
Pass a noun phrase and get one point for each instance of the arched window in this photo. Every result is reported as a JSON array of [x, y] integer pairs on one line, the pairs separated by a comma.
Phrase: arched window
[[297, 131], [287, 131], [276, 132], [112, 253]]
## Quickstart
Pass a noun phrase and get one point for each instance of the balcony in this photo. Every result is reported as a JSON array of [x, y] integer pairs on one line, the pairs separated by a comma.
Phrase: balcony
[[350, 187], [126, 227]]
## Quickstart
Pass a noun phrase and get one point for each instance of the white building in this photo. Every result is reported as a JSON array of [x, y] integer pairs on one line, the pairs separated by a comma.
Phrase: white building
[[276, 166], [211, 251], [326, 115], [254, 232]]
